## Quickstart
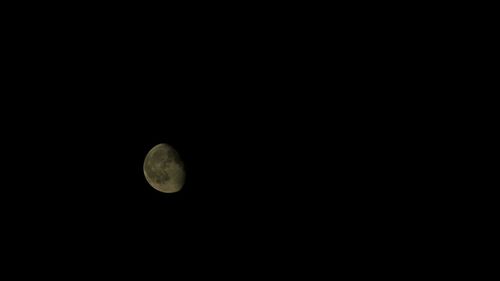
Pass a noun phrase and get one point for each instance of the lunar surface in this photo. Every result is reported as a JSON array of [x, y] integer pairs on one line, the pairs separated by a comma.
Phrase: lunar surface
[[164, 169]]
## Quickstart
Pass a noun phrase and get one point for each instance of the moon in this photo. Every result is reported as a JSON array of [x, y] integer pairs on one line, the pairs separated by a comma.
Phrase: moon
[[164, 169]]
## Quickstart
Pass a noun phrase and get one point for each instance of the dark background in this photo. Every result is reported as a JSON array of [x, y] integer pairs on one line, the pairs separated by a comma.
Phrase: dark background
[[292, 144]]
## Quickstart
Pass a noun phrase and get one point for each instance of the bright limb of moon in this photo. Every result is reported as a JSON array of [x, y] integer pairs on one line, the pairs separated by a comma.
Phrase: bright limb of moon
[[163, 169]]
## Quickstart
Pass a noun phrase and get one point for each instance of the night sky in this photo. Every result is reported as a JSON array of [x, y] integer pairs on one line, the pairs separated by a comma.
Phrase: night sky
[[283, 153], [259, 172]]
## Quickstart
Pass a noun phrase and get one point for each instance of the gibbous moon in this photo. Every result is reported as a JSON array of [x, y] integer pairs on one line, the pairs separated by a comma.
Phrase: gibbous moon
[[164, 169]]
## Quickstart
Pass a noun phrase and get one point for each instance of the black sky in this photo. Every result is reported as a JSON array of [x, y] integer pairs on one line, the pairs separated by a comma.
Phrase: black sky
[[286, 144]]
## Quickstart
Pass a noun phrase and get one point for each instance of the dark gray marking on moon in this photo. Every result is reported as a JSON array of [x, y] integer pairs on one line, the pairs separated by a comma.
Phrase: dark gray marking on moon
[[173, 155]]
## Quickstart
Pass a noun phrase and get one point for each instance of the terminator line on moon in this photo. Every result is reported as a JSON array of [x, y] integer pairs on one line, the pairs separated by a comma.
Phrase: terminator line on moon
[[164, 169]]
